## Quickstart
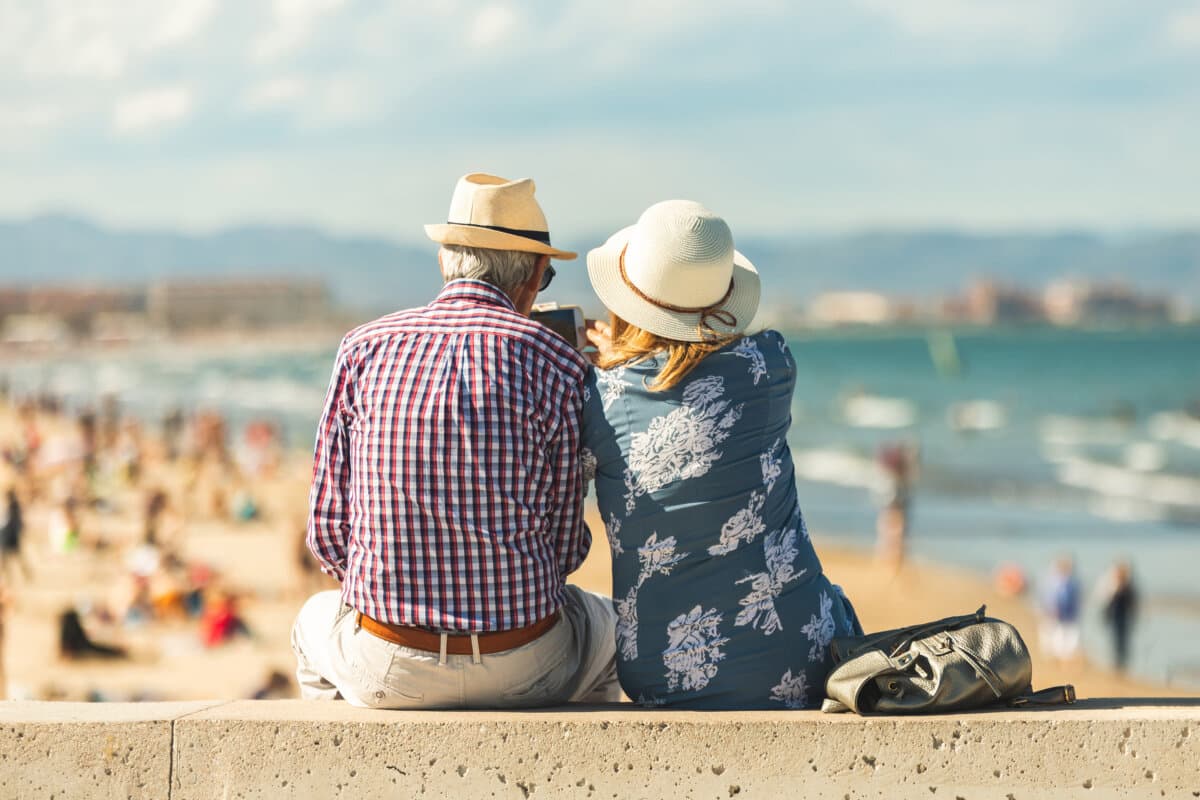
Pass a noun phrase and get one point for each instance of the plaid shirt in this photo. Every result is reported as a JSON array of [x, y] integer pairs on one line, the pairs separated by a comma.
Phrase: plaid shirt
[[447, 490]]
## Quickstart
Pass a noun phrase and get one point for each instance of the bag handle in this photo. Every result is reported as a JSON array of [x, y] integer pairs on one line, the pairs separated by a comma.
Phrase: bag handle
[[897, 640], [1054, 696]]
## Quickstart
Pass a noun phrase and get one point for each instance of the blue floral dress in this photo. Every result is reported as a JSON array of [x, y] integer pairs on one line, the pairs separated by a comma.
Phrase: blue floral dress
[[720, 597]]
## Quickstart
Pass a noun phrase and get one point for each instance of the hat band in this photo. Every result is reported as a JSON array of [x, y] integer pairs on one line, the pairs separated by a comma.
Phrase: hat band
[[711, 311], [537, 236]]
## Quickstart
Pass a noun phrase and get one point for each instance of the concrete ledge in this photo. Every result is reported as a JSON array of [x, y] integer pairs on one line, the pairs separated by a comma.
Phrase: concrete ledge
[[285, 749], [68, 750]]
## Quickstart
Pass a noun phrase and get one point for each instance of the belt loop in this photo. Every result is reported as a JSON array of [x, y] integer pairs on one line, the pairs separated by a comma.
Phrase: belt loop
[[357, 621], [442, 638], [475, 649]]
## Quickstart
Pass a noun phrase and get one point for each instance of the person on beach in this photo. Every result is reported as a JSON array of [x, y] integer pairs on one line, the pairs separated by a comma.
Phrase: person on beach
[[1060, 599], [721, 599], [1120, 603], [74, 644], [897, 465], [11, 532], [447, 494]]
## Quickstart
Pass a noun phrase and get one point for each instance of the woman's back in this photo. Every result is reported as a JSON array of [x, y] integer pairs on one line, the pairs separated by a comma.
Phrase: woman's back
[[720, 597]]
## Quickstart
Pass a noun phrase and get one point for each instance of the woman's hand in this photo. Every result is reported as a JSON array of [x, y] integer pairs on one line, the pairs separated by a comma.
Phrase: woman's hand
[[599, 333]]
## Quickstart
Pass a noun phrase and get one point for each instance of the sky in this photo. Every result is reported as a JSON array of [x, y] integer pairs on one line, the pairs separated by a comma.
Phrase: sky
[[784, 117]]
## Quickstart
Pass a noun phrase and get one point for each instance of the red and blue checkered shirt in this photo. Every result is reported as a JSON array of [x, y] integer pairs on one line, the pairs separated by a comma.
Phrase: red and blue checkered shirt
[[447, 488]]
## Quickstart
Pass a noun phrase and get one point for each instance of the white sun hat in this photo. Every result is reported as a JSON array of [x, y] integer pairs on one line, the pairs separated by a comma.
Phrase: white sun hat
[[498, 214], [675, 273]]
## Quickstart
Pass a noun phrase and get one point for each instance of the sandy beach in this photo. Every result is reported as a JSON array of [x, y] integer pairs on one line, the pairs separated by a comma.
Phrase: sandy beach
[[257, 561]]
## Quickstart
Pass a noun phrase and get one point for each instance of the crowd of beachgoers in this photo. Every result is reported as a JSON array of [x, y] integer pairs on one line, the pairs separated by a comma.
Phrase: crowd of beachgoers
[[104, 566], [167, 561]]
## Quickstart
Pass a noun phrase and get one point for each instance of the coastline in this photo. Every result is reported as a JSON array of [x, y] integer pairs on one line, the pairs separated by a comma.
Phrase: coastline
[[257, 560]]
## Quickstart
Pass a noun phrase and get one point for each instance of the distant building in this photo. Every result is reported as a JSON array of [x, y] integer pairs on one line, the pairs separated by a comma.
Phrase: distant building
[[197, 305], [988, 303], [74, 307], [1070, 302], [851, 308], [34, 329]]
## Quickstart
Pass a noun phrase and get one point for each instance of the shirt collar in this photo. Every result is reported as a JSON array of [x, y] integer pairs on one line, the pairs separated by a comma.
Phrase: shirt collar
[[469, 290]]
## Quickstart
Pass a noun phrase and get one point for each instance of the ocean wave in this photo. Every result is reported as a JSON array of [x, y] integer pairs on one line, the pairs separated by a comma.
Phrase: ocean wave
[[838, 467], [872, 411], [1162, 489], [1176, 426], [1057, 429], [973, 416]]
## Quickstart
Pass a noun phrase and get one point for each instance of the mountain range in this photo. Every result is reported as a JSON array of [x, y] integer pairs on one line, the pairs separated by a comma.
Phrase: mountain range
[[373, 273]]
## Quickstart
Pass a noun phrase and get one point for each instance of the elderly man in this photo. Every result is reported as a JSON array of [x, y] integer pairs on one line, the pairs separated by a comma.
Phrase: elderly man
[[447, 490]]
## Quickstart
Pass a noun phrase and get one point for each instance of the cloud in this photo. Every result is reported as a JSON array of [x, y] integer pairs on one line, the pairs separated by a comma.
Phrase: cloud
[[274, 93], [1183, 27], [407, 86], [327, 102], [28, 117], [150, 109], [182, 20], [292, 26], [492, 25], [970, 22]]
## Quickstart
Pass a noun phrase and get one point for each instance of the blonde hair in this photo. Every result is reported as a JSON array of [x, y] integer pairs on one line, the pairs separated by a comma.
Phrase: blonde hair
[[631, 344]]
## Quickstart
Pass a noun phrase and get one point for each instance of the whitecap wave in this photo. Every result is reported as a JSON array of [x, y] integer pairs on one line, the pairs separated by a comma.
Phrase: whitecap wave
[[871, 411], [1176, 426]]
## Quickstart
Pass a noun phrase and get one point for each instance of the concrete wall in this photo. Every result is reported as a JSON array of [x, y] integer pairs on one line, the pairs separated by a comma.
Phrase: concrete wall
[[291, 749]]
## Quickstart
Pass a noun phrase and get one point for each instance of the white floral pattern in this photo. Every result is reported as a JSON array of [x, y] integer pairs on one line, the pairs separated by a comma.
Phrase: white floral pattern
[[682, 444], [613, 533], [741, 527], [656, 558], [783, 348], [792, 690], [587, 461], [772, 465], [748, 348], [820, 628], [627, 626], [693, 651], [758, 607], [612, 384]]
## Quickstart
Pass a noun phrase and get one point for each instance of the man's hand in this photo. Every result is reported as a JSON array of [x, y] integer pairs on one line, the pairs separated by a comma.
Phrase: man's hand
[[599, 333]]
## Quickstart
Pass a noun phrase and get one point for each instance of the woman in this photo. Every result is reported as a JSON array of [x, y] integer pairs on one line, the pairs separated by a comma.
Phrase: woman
[[720, 597]]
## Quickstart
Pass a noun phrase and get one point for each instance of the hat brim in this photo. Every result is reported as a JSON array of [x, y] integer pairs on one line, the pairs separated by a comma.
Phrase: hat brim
[[475, 236], [604, 270]]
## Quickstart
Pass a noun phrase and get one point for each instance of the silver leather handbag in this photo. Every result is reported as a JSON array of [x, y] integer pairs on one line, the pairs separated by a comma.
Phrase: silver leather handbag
[[952, 664]]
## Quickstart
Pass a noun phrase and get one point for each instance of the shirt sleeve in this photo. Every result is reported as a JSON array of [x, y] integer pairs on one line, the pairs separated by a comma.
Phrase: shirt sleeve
[[571, 536], [328, 508]]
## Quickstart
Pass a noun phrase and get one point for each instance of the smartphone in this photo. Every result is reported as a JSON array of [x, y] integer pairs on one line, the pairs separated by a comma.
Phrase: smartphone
[[566, 321]]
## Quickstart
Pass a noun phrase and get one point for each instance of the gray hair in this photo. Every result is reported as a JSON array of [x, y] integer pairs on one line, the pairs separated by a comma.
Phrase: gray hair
[[504, 269]]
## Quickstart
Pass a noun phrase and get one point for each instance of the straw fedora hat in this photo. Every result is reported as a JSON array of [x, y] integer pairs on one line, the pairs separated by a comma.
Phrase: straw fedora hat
[[498, 214], [675, 273]]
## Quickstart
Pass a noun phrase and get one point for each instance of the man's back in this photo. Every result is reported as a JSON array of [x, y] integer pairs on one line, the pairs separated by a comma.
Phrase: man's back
[[447, 491], [447, 494]]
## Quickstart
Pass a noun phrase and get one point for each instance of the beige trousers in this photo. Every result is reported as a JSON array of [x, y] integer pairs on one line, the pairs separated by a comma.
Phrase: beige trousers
[[572, 662]]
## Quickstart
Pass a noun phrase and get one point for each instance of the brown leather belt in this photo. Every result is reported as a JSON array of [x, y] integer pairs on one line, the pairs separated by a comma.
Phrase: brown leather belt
[[457, 644]]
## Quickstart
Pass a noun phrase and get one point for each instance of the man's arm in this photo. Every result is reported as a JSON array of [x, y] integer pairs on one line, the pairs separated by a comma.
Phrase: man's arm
[[572, 538], [328, 507]]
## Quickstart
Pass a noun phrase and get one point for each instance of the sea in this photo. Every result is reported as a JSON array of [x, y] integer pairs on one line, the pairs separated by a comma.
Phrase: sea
[[1033, 444]]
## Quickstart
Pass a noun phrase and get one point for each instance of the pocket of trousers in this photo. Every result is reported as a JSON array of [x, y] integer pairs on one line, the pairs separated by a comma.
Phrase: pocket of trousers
[[371, 660], [546, 675]]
